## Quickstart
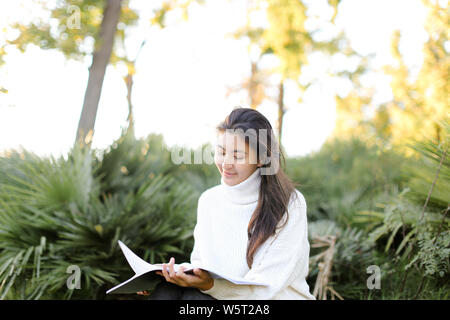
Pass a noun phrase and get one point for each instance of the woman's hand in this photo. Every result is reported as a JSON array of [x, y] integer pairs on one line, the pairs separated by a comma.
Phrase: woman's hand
[[200, 280], [143, 293]]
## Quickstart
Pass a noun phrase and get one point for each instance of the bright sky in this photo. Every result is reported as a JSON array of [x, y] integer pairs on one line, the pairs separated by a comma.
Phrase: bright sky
[[182, 76]]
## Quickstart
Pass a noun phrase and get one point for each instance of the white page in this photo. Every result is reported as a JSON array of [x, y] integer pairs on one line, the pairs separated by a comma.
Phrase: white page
[[140, 267]]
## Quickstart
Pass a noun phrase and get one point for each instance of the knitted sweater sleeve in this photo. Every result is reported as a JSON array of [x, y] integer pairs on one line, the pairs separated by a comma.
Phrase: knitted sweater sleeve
[[282, 258]]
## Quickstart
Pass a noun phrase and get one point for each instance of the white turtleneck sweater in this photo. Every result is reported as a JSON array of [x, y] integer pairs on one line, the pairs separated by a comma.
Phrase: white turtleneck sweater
[[220, 235]]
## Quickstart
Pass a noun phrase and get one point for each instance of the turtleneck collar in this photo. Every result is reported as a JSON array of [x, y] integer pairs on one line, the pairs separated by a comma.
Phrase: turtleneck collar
[[246, 191]]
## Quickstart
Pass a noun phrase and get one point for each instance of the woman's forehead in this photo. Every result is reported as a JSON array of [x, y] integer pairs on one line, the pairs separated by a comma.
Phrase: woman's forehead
[[235, 148], [231, 141]]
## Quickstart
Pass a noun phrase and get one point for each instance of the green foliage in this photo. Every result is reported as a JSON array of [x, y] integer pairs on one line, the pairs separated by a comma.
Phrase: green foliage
[[434, 253], [287, 36], [344, 177], [373, 200], [352, 255], [352, 248], [64, 212], [423, 171], [403, 218], [55, 213], [422, 213], [128, 163]]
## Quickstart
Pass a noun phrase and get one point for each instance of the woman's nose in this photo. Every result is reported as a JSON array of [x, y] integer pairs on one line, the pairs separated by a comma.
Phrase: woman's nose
[[228, 159]]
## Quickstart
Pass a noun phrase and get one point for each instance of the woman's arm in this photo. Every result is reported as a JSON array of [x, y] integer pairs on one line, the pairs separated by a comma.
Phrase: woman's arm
[[283, 258]]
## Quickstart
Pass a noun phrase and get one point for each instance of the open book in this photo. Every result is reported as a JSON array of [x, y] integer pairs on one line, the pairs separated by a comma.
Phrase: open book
[[143, 272]]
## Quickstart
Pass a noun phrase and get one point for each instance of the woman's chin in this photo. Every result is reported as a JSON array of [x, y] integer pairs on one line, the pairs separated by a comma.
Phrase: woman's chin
[[229, 180]]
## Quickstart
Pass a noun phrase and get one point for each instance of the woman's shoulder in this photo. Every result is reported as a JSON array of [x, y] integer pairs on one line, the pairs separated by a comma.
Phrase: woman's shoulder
[[296, 209], [297, 199]]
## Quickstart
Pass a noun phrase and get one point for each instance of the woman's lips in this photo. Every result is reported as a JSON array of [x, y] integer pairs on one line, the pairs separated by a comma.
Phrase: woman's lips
[[228, 174]]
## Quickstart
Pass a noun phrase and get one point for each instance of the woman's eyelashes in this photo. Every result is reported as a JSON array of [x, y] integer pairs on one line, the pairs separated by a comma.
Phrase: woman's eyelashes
[[221, 153], [237, 158]]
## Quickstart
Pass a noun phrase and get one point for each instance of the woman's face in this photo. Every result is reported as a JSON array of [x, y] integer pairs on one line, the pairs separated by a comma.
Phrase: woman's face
[[234, 159]]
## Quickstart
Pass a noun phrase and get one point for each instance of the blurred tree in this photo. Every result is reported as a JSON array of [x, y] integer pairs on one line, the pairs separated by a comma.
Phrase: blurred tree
[[257, 82], [353, 110], [421, 102], [159, 19], [131, 70], [291, 42], [284, 37], [80, 28]]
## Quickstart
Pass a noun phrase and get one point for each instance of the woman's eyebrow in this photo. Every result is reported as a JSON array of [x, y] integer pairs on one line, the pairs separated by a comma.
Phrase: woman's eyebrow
[[234, 150]]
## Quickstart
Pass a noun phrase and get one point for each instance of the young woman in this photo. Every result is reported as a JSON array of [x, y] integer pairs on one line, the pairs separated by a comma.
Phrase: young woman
[[253, 225]]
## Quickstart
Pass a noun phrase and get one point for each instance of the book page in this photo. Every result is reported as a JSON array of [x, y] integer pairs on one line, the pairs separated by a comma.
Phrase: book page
[[141, 266], [138, 265], [140, 281]]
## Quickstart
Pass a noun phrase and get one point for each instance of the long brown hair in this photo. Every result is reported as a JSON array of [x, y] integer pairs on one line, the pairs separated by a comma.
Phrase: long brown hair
[[276, 189]]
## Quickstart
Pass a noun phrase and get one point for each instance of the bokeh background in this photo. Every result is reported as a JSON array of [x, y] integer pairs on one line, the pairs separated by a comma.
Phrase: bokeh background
[[96, 95]]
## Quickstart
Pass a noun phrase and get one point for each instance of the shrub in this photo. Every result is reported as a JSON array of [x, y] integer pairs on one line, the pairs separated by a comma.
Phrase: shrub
[[64, 212]]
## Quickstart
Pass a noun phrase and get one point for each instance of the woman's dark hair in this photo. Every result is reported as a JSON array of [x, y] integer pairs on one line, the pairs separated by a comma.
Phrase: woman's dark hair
[[276, 189]]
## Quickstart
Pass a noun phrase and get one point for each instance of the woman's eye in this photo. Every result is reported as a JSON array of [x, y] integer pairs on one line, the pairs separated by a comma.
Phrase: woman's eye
[[222, 153]]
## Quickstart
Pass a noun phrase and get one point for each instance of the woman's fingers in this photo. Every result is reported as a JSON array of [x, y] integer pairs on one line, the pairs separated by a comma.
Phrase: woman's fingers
[[179, 278], [198, 272], [165, 273], [168, 271], [180, 271], [171, 268], [180, 274], [144, 293]]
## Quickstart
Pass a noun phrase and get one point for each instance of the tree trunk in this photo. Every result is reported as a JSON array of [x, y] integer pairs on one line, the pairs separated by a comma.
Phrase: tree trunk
[[252, 85], [129, 83], [100, 61], [281, 110], [130, 119]]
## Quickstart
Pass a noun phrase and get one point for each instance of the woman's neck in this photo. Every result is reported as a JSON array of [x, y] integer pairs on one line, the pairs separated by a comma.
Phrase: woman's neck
[[246, 191]]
